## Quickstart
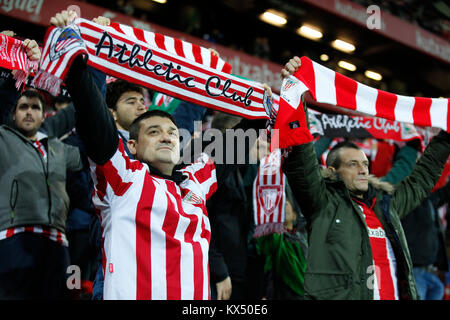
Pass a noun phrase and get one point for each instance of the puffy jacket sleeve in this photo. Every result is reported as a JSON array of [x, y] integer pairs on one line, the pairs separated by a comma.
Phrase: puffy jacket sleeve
[[73, 158], [414, 189], [307, 184]]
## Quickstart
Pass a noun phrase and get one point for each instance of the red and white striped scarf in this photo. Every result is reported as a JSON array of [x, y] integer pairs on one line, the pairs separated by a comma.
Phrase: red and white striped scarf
[[346, 95], [14, 57], [269, 196], [192, 73], [168, 65]]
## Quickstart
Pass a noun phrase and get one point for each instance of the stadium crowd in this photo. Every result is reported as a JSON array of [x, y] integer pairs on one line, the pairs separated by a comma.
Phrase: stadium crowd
[[87, 170]]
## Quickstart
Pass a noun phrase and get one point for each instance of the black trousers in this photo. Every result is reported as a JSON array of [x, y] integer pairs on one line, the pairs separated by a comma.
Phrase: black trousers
[[33, 267]]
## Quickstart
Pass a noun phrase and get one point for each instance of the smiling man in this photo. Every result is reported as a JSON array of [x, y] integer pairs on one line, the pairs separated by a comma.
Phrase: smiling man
[[350, 163], [156, 230], [357, 246]]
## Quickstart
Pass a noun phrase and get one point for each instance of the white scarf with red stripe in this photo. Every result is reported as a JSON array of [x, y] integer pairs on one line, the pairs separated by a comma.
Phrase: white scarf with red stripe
[[346, 95], [269, 197], [174, 67], [14, 57]]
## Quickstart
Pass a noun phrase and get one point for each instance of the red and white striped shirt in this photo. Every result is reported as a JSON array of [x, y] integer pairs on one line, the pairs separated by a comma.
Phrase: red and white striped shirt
[[155, 233], [50, 233], [385, 263]]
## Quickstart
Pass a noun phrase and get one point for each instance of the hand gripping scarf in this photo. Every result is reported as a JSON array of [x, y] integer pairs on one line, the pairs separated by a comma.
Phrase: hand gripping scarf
[[269, 197], [343, 94], [171, 66], [14, 57], [189, 72]]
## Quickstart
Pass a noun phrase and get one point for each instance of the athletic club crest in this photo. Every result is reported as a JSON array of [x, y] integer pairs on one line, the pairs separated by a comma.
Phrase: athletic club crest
[[269, 197], [63, 40], [289, 83], [192, 198]]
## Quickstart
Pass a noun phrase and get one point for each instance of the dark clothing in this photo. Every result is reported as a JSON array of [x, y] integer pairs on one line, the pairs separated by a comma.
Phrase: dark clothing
[[27, 273], [186, 113], [285, 263], [229, 217], [424, 233], [229, 211], [33, 192]]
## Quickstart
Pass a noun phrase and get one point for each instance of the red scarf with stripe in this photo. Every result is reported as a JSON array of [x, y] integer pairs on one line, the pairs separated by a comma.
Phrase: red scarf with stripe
[[174, 67], [344, 95], [14, 57]]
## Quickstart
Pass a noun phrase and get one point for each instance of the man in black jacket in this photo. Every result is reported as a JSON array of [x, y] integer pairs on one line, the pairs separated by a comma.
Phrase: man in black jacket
[[426, 242]]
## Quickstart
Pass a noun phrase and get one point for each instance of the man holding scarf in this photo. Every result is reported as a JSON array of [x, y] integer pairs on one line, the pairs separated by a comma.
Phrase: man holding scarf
[[358, 249]]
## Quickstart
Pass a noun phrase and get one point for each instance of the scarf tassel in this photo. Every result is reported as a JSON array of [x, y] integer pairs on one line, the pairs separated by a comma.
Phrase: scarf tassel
[[268, 228], [48, 82], [21, 77]]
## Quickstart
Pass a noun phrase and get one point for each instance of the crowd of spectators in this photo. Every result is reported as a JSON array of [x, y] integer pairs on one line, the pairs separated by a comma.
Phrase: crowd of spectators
[[242, 267]]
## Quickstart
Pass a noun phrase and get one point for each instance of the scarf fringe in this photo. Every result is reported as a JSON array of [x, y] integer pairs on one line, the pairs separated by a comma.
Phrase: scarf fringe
[[48, 82], [21, 77], [268, 228]]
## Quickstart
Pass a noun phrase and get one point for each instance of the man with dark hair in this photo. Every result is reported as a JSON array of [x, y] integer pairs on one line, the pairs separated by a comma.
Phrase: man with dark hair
[[136, 124], [357, 246], [126, 102], [343, 159], [33, 205], [155, 226], [333, 159]]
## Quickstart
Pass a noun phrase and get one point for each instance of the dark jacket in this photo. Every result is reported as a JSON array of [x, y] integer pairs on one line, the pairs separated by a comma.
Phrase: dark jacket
[[424, 232], [339, 254], [34, 192], [229, 210]]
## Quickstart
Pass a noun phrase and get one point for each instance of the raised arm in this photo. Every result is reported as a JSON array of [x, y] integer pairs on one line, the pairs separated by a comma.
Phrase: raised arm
[[302, 168], [8, 91], [304, 176], [415, 188], [95, 124]]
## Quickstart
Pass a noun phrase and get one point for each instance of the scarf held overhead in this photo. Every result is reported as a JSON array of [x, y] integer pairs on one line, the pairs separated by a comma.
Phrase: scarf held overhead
[[192, 73], [14, 57], [171, 66], [342, 93]]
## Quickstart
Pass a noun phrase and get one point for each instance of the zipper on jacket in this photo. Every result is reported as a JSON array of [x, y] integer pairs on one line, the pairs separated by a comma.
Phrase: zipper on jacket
[[49, 151], [13, 198], [45, 168]]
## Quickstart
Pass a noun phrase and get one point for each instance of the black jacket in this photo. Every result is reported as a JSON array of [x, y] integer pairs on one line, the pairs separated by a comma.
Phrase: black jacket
[[424, 232]]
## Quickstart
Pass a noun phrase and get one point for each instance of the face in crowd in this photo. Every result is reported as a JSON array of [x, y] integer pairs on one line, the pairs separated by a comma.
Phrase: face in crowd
[[29, 115], [353, 169], [157, 143], [129, 106]]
